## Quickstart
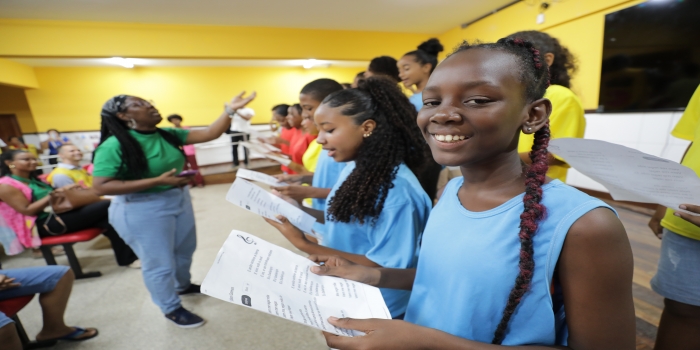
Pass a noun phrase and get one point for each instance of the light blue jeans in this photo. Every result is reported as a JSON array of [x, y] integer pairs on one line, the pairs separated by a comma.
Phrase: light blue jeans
[[160, 229]]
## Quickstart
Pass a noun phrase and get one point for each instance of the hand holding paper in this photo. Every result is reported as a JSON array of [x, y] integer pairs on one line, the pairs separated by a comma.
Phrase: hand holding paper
[[630, 174], [259, 177], [251, 197], [251, 272]]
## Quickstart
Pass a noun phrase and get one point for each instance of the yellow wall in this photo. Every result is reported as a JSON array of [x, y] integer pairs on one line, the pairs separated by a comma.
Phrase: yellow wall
[[92, 39], [17, 74], [70, 98], [578, 24], [13, 101]]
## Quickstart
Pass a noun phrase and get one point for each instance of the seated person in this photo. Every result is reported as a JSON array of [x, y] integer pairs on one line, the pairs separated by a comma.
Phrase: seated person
[[68, 171], [23, 199], [54, 284]]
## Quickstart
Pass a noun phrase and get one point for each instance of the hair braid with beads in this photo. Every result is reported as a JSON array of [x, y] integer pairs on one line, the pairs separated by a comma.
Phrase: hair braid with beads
[[395, 140], [535, 76]]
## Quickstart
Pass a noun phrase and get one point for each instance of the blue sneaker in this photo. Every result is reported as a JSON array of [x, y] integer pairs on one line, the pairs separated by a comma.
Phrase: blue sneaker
[[185, 319]]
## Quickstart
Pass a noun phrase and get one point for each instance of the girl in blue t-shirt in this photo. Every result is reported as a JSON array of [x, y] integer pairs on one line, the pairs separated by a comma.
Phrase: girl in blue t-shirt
[[416, 66], [377, 210], [508, 257]]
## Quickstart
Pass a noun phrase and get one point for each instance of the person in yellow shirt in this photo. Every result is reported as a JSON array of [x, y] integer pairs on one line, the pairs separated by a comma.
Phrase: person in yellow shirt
[[678, 276], [69, 171], [567, 118]]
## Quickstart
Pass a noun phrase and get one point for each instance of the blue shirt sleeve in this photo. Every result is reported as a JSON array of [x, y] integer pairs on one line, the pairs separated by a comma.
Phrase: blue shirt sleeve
[[395, 237]]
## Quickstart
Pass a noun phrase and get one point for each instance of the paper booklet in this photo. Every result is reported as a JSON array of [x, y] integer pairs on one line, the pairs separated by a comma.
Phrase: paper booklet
[[267, 152], [254, 198], [631, 175], [253, 273], [259, 177], [267, 146]]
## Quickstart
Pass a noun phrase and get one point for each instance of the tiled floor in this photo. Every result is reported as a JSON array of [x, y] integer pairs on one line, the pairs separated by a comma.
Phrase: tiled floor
[[119, 305]]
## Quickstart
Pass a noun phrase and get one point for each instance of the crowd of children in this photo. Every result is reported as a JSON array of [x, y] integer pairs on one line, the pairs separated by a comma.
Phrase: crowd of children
[[509, 256]]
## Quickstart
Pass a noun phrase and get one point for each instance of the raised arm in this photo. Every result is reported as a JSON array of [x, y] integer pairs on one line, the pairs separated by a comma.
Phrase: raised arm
[[220, 125]]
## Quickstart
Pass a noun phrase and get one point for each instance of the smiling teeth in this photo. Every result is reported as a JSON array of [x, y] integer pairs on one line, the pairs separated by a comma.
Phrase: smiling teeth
[[450, 138]]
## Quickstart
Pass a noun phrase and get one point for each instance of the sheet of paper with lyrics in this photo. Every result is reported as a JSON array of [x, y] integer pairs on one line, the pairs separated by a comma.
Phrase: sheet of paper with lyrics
[[629, 174], [253, 273]]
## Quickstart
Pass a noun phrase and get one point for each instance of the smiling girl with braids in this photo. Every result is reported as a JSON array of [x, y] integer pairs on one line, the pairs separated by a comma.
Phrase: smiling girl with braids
[[377, 209], [509, 257], [152, 210]]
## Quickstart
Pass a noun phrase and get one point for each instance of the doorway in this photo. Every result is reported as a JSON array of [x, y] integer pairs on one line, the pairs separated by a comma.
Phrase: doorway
[[9, 127]]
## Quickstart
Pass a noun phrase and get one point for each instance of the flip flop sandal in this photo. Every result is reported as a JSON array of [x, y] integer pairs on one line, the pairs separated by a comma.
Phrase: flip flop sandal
[[73, 336]]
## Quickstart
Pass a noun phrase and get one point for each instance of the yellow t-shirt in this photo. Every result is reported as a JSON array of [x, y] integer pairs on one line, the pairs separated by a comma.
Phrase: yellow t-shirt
[[79, 176], [566, 120], [688, 128], [310, 160]]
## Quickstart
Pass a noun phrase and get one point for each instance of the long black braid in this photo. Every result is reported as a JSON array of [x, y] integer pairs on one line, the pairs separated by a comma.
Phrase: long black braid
[[134, 163], [535, 76], [395, 140]]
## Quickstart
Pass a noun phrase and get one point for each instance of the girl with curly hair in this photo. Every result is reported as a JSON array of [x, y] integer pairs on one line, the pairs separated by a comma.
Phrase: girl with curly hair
[[509, 258], [377, 209]]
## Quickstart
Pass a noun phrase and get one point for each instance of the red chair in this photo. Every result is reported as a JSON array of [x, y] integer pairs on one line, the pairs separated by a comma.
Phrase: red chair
[[11, 307], [67, 240]]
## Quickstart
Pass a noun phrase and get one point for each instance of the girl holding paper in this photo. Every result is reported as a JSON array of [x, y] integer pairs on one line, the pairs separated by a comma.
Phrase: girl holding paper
[[509, 258], [377, 210]]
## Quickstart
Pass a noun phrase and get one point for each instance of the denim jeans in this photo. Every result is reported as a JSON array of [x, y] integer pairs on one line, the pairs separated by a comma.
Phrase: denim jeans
[[160, 228]]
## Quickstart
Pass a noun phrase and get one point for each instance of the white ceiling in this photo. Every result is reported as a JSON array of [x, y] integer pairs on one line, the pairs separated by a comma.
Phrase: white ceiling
[[172, 62], [410, 16]]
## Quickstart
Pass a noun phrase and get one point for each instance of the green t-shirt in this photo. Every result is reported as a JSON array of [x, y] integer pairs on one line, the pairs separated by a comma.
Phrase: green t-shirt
[[39, 191], [160, 154]]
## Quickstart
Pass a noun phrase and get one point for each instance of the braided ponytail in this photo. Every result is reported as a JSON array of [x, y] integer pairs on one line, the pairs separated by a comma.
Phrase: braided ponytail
[[395, 140], [534, 75]]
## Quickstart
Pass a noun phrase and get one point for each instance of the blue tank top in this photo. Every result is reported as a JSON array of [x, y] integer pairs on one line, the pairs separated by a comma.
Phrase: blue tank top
[[326, 175], [469, 260], [393, 240]]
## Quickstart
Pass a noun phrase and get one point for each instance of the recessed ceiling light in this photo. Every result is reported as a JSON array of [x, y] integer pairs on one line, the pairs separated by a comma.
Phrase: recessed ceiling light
[[121, 61], [310, 63]]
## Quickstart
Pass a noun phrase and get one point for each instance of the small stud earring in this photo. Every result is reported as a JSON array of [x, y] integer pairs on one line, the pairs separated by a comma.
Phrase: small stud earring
[[368, 134], [529, 129]]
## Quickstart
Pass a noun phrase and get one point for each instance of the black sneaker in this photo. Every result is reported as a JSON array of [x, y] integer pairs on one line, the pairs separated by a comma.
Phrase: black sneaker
[[192, 289], [185, 319]]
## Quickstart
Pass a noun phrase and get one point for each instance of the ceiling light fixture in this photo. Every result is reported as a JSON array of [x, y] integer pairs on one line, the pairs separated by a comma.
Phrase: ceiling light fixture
[[310, 63], [121, 61]]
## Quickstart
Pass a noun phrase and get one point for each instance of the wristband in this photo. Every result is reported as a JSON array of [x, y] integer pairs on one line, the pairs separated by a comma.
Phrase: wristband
[[231, 112]]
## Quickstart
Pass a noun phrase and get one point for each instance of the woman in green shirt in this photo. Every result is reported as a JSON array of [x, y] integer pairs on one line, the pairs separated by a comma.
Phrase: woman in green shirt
[[139, 163]]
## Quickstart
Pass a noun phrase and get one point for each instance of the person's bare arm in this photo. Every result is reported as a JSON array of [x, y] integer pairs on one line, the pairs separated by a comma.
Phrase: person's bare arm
[[298, 239], [598, 291], [111, 186], [381, 277], [299, 192], [220, 125], [15, 199]]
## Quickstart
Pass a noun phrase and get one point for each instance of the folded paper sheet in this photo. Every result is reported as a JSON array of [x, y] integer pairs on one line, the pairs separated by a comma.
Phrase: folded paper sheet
[[251, 272], [259, 177], [254, 198], [630, 175]]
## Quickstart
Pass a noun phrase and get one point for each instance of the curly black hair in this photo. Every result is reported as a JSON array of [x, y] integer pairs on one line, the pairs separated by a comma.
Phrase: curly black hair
[[395, 140], [134, 163], [565, 63]]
